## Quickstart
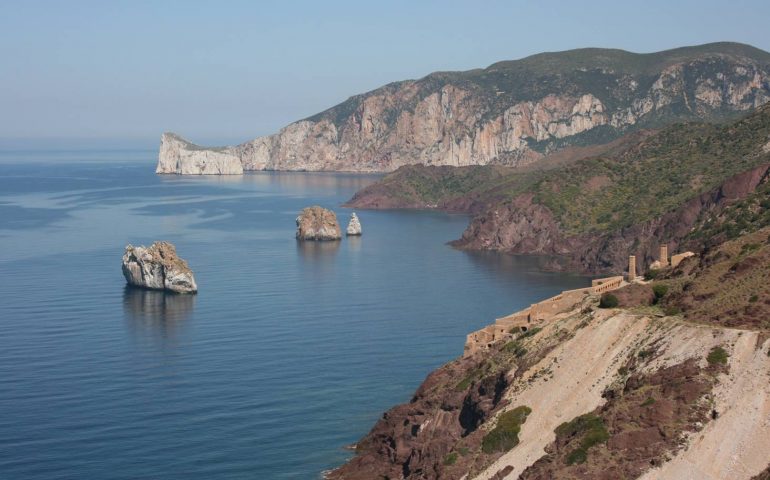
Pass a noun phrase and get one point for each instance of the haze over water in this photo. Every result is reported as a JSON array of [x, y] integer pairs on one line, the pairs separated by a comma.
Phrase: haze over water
[[289, 352]]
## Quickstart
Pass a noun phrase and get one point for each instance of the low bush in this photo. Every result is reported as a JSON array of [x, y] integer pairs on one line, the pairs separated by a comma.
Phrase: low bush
[[672, 310], [660, 290], [717, 355], [450, 459], [651, 274], [505, 435], [591, 430], [530, 333], [608, 300]]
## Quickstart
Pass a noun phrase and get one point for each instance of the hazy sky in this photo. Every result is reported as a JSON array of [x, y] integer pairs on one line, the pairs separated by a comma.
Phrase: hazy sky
[[227, 71]]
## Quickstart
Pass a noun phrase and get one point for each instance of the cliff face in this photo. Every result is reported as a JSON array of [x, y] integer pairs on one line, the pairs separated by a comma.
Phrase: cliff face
[[633, 392], [177, 155], [510, 113], [686, 185]]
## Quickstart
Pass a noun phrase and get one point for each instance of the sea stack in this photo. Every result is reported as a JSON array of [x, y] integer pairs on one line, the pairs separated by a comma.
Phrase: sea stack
[[158, 268], [354, 226], [317, 223]]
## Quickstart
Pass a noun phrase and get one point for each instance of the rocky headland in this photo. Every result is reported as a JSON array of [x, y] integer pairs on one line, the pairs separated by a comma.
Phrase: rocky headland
[[662, 387], [317, 223], [688, 185], [157, 267], [510, 113]]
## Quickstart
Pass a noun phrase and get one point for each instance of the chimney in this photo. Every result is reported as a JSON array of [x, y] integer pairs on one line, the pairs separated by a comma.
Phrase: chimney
[[631, 268]]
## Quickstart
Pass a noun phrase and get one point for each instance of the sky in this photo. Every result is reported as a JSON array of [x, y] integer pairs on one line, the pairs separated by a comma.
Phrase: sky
[[220, 72]]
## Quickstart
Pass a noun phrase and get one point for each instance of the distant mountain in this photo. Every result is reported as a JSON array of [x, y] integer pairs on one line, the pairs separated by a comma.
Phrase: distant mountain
[[510, 113]]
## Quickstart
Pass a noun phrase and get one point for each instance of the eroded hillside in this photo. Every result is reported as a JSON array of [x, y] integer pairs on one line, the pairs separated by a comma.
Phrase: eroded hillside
[[658, 388]]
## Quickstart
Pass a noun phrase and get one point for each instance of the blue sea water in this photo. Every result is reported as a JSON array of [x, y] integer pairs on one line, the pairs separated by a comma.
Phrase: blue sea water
[[290, 351]]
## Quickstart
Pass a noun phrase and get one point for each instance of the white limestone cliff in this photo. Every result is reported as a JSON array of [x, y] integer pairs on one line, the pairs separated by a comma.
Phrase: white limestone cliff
[[179, 156], [456, 125]]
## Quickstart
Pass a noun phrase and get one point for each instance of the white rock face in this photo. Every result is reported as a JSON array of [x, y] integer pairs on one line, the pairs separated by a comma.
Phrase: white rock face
[[456, 125], [354, 226], [177, 155], [158, 268]]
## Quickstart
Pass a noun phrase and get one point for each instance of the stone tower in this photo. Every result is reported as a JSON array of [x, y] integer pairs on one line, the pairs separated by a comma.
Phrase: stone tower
[[664, 255], [631, 268]]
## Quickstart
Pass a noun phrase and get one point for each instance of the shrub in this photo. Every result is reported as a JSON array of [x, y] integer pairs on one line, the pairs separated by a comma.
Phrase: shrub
[[608, 300], [717, 355], [651, 274], [592, 431], [672, 310], [505, 435], [515, 348], [753, 298], [648, 402], [660, 290], [514, 330], [450, 459], [530, 333]]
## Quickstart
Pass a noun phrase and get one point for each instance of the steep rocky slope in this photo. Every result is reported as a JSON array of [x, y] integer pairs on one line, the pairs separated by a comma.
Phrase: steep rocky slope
[[510, 113], [686, 185], [635, 392]]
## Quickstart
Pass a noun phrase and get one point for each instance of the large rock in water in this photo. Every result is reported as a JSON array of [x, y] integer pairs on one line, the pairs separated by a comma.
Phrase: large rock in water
[[354, 226], [316, 223], [177, 155], [158, 267]]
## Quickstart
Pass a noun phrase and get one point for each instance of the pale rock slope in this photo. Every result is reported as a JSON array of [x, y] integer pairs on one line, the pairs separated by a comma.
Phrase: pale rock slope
[[511, 113]]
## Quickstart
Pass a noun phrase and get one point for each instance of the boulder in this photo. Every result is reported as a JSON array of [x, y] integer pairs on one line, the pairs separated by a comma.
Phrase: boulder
[[316, 223], [157, 267], [354, 226]]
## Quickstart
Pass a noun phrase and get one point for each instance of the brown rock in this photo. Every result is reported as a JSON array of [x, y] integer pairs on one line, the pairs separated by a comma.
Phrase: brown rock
[[316, 223]]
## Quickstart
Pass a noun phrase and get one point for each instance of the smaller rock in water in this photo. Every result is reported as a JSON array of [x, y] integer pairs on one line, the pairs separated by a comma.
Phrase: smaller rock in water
[[316, 223], [354, 226], [158, 267]]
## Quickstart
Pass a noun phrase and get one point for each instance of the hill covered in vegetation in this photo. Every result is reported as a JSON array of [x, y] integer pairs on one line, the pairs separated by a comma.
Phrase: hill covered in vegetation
[[681, 185]]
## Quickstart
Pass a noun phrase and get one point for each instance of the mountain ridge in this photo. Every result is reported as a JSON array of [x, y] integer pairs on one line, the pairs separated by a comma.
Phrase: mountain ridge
[[510, 113]]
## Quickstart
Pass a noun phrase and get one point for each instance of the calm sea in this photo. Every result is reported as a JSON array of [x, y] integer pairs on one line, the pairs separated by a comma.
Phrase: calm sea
[[290, 351]]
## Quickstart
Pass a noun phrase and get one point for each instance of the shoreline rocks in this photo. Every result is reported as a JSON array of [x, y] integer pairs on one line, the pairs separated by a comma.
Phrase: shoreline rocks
[[157, 268], [354, 226], [319, 224]]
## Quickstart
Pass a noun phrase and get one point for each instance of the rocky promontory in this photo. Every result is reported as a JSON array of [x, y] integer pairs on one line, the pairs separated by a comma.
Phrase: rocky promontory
[[158, 268], [510, 113], [177, 155], [317, 223]]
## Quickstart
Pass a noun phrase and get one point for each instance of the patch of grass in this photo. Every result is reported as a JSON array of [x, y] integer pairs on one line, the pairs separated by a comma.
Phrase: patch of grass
[[450, 459], [749, 247], [717, 355], [505, 435], [672, 310], [608, 300], [463, 451], [531, 332], [648, 402], [514, 330], [591, 430], [515, 348], [753, 298]]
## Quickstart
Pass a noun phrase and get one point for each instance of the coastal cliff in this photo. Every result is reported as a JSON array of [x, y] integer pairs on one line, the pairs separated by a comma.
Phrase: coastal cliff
[[671, 384], [686, 185], [510, 113]]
